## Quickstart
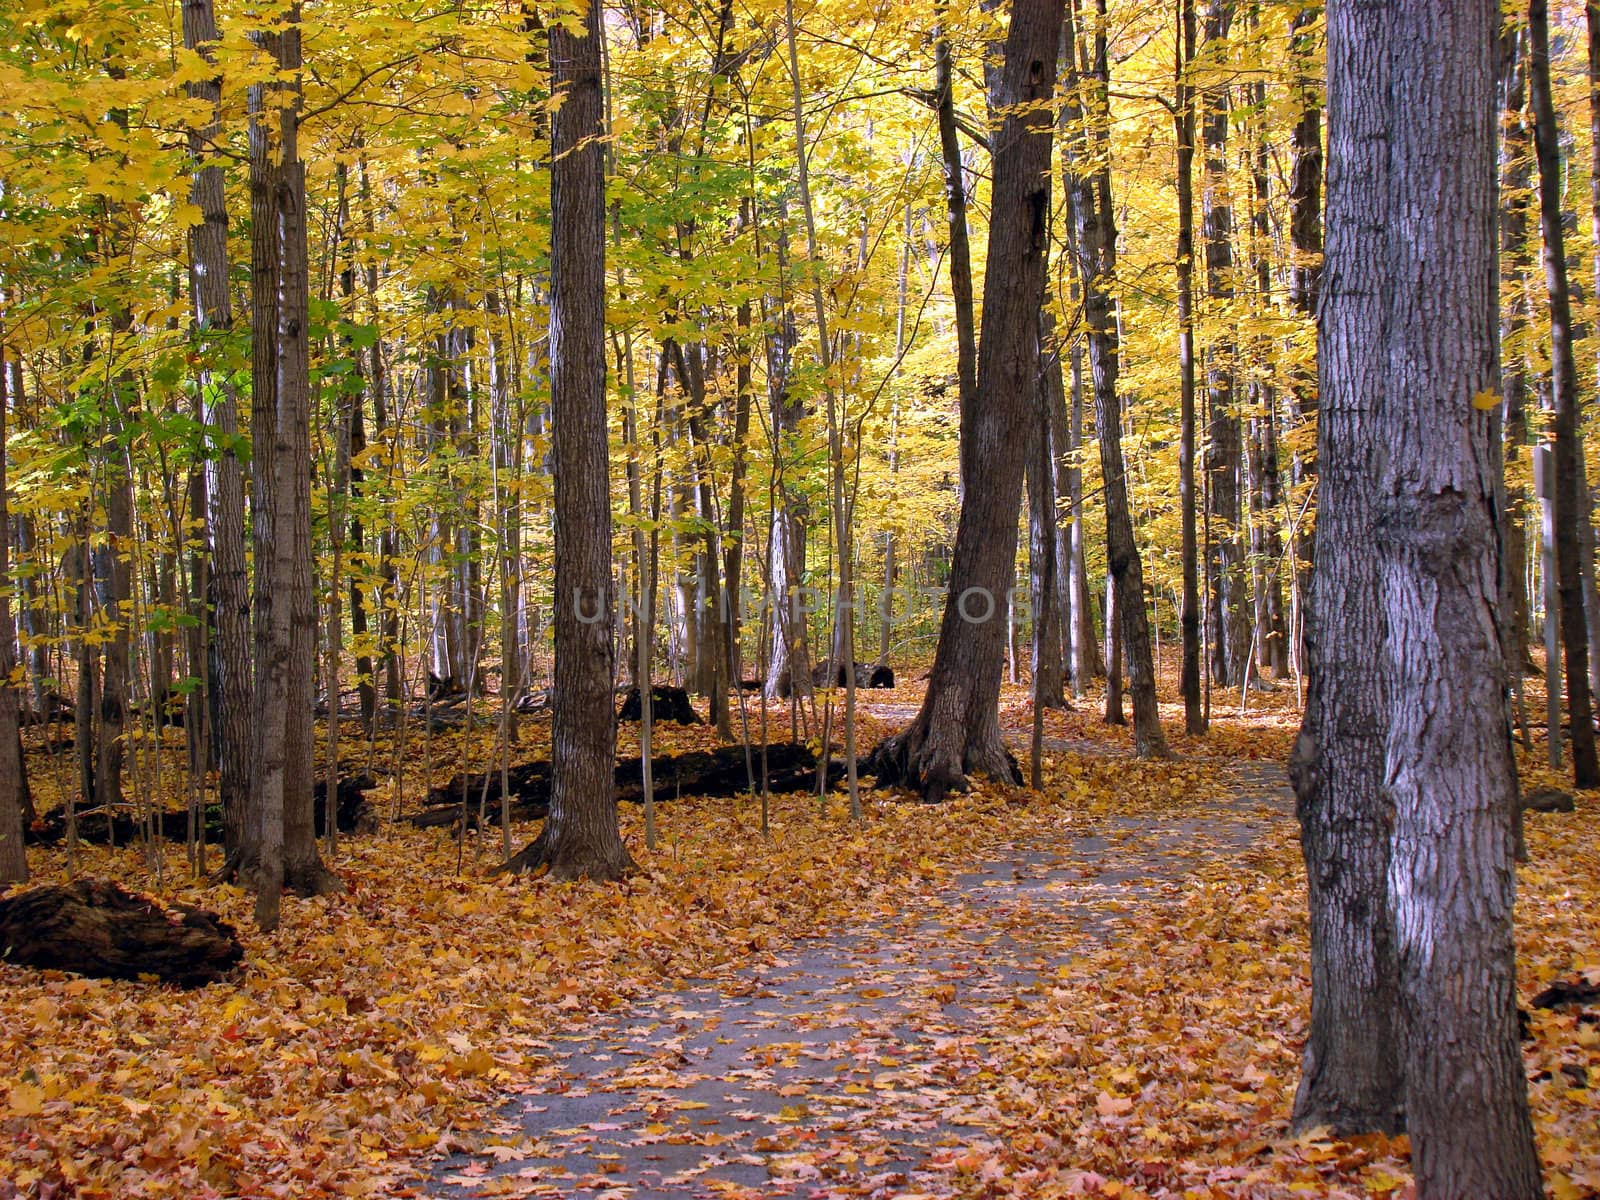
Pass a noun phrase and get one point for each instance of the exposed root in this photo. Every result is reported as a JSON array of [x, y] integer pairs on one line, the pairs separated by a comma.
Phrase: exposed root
[[566, 860], [914, 760]]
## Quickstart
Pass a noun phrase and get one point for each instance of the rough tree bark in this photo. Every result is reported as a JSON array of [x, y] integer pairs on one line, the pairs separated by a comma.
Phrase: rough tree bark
[[580, 838], [789, 667], [1449, 768], [1350, 1071], [958, 729]]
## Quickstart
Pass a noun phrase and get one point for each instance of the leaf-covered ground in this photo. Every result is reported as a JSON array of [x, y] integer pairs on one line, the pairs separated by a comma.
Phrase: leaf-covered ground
[[1156, 1056]]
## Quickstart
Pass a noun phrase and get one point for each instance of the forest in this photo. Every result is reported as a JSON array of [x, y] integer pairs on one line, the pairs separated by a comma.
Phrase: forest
[[817, 598]]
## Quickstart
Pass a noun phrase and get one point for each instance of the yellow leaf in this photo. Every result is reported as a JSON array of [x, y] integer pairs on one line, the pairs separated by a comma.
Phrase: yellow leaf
[[1485, 400], [26, 1099]]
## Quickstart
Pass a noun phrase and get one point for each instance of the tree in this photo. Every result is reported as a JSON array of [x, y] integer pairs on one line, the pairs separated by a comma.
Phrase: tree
[[1449, 768], [580, 838], [1350, 1075], [957, 730], [222, 576], [1571, 502], [1095, 249], [283, 852], [13, 781], [1040, 480], [1194, 720], [1305, 267], [1404, 767]]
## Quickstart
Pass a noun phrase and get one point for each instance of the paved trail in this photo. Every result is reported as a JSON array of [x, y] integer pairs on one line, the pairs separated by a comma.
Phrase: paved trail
[[836, 1069]]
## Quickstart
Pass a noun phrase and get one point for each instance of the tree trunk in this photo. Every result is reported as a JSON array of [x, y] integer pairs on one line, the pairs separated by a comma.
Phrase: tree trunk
[[1571, 504], [1516, 166], [1266, 538], [1351, 1076], [958, 729], [227, 579], [1085, 652], [13, 781], [1227, 605], [789, 667], [1305, 272], [580, 838], [955, 196], [1194, 720], [1449, 768], [1048, 688], [285, 849], [1089, 184]]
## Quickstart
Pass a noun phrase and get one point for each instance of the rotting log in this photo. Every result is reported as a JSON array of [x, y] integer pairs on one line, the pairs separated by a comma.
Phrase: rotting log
[[94, 927], [354, 814], [666, 704], [723, 772]]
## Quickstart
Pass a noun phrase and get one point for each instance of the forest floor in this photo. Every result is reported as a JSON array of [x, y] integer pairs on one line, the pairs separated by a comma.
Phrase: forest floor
[[1097, 989]]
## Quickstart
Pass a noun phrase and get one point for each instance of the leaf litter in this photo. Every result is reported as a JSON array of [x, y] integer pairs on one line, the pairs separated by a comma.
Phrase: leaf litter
[[1113, 1008]]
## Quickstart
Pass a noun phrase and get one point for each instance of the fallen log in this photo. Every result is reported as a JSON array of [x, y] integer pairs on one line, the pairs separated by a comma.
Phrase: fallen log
[[791, 767], [868, 675], [351, 810], [55, 707], [1549, 800], [95, 928], [1565, 993], [666, 704]]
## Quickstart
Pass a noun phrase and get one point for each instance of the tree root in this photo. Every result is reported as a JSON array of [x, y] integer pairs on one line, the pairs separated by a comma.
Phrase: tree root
[[914, 760], [559, 859]]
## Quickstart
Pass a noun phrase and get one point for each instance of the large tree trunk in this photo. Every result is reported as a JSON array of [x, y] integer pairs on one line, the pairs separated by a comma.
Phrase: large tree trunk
[[1350, 1072], [1094, 247], [1571, 504], [580, 838], [1449, 768], [226, 577], [958, 728], [13, 782]]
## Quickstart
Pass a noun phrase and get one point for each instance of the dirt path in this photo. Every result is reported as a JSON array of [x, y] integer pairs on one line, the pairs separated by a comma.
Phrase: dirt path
[[850, 1065]]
